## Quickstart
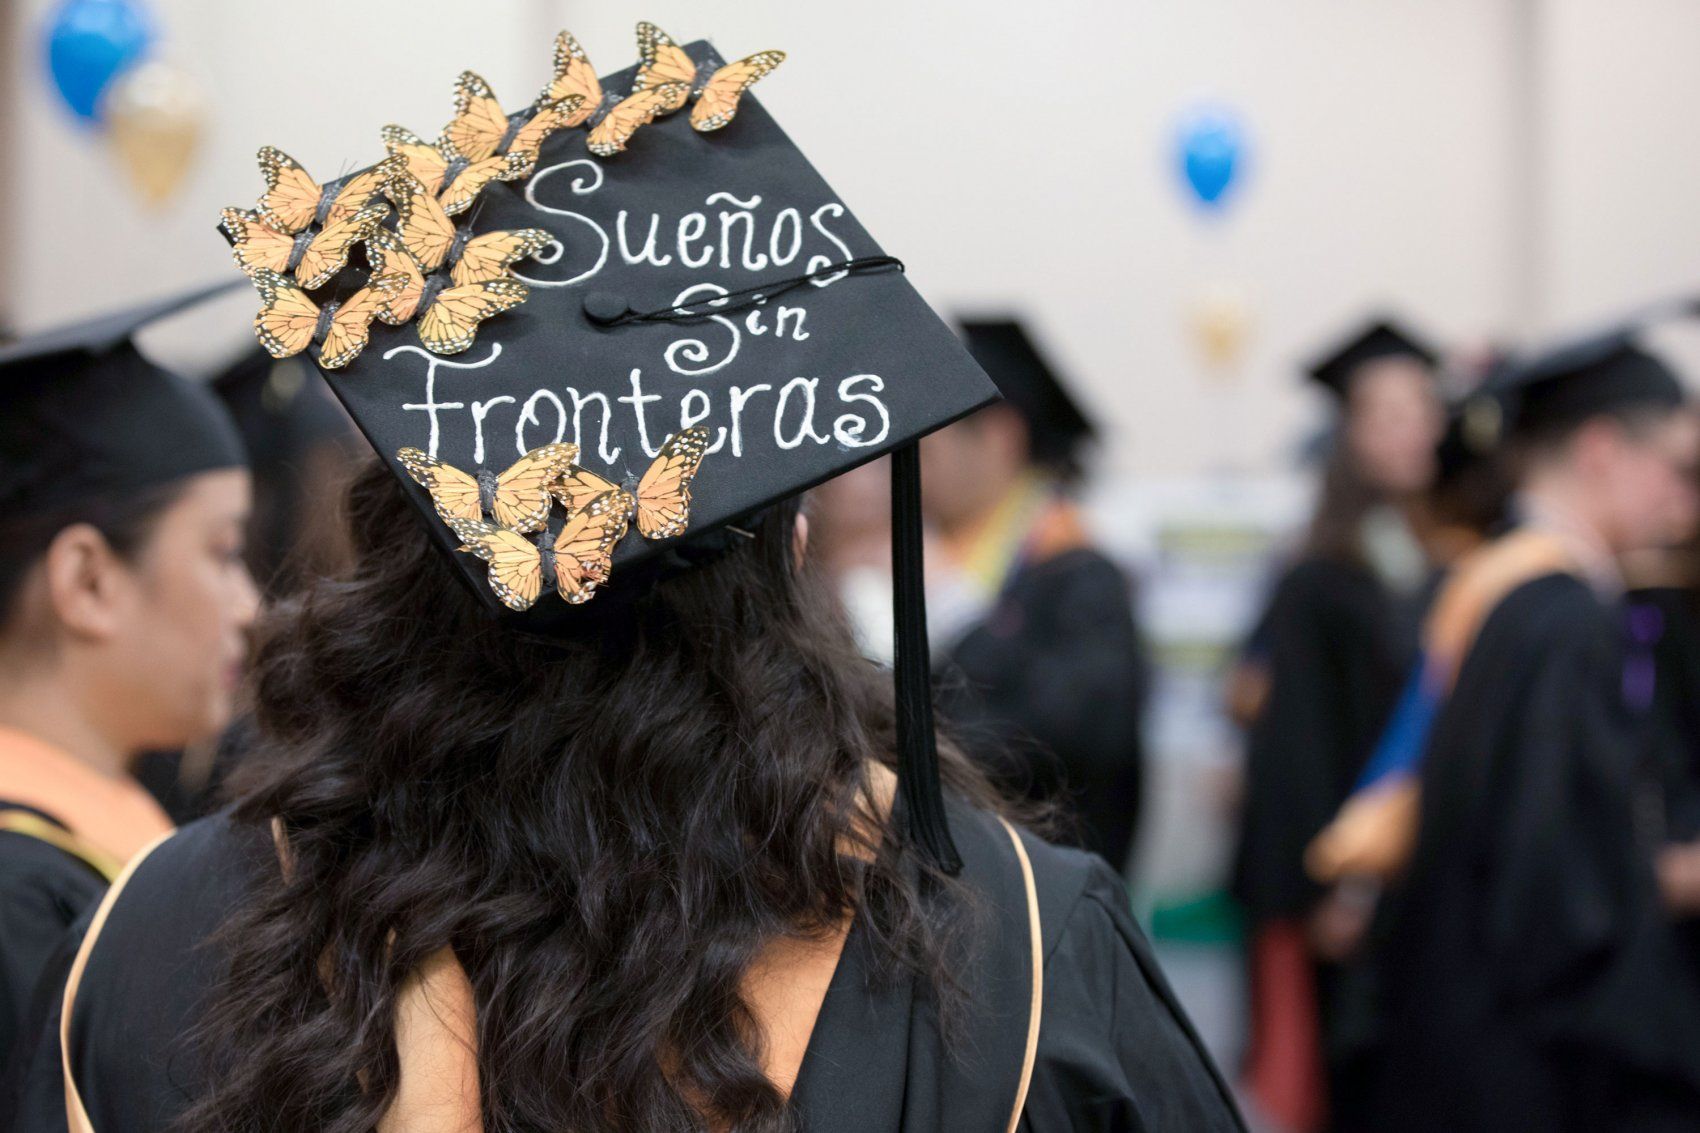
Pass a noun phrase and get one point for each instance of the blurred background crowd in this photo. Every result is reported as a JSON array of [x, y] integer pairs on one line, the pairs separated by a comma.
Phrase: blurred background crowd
[[1262, 284]]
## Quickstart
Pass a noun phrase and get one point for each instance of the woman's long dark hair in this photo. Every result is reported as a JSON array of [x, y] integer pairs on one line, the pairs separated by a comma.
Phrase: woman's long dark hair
[[605, 827]]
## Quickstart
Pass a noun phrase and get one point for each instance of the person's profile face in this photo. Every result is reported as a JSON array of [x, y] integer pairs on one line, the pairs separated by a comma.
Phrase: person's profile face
[[1393, 423], [188, 600], [1656, 482], [966, 467]]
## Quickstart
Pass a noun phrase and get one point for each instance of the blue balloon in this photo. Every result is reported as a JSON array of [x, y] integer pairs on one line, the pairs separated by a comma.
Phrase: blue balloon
[[88, 43], [1211, 144]]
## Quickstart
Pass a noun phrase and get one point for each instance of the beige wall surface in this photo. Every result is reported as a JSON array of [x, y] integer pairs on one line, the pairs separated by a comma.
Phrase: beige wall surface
[[1487, 166]]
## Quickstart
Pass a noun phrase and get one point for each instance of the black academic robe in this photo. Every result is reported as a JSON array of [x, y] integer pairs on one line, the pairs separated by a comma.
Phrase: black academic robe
[[1339, 646], [1674, 739], [1530, 978], [1047, 691], [43, 890], [1115, 1050]]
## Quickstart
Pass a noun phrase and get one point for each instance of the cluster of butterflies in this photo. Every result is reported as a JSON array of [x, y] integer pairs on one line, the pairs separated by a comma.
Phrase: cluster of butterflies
[[300, 235], [499, 516]]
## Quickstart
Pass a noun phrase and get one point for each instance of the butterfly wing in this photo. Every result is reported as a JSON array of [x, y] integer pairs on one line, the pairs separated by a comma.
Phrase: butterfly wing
[[609, 136], [718, 102], [489, 256], [449, 325], [384, 249], [327, 252], [425, 160], [521, 499], [516, 565], [664, 493], [453, 492], [291, 199], [545, 120], [573, 76], [479, 124], [425, 228], [584, 547], [457, 196], [287, 317], [664, 63], [364, 188], [256, 244], [578, 486], [351, 323]]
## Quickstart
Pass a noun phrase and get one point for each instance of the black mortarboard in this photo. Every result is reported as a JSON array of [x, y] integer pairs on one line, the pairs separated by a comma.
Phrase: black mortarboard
[[689, 285], [1056, 424], [1559, 389], [82, 412], [1380, 339]]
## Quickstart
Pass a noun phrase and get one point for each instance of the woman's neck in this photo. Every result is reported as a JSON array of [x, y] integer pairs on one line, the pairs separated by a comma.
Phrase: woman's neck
[[55, 714]]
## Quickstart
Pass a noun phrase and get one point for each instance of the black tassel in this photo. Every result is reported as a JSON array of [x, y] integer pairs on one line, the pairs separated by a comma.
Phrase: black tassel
[[917, 746]]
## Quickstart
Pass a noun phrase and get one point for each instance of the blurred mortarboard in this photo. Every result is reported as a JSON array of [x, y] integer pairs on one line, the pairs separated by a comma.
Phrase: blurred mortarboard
[[1056, 424], [1380, 339], [1560, 388], [689, 285], [82, 413]]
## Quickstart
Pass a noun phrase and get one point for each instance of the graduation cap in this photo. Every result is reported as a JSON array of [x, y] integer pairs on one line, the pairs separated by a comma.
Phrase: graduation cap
[[1056, 424], [1380, 339], [1555, 391], [83, 413], [707, 321]]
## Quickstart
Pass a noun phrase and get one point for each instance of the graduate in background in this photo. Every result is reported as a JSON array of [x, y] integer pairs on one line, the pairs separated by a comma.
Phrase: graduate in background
[[1042, 673], [1336, 640], [1528, 970], [123, 607]]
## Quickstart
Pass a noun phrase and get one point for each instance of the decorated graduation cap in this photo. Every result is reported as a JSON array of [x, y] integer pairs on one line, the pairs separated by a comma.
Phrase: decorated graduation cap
[[1056, 423], [1378, 340], [621, 323], [1555, 391], [83, 413]]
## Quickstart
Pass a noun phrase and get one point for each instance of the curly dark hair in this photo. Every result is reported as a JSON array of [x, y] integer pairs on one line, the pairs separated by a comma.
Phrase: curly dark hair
[[606, 827]]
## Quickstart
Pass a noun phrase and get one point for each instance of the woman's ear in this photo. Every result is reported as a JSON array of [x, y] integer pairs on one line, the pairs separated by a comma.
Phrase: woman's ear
[[83, 582], [800, 540]]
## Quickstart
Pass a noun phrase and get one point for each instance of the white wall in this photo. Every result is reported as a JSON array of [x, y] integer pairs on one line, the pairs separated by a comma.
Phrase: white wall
[[1014, 155]]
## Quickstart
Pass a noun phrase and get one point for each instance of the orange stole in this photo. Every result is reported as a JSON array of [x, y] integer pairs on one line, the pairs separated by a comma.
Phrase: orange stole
[[113, 814]]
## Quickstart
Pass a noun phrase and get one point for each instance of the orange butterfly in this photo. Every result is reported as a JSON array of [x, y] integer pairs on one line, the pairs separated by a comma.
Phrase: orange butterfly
[[573, 76], [454, 181], [609, 136], [662, 503], [289, 321], [421, 222], [292, 199], [548, 117], [256, 244], [449, 324], [518, 497], [388, 257], [490, 255], [664, 63], [718, 102], [481, 128], [579, 555]]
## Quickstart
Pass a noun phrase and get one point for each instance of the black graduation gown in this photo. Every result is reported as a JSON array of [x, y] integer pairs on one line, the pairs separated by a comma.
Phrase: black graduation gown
[[43, 890], [1115, 1051], [1047, 692], [1339, 646], [1674, 738], [1531, 980]]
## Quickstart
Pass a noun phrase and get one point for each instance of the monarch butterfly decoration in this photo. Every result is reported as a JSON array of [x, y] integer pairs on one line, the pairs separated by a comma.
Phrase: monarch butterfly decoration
[[578, 557], [664, 64], [293, 200], [425, 228], [449, 318], [289, 321], [662, 502], [519, 497], [489, 255], [313, 259], [609, 136], [574, 75], [718, 102]]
